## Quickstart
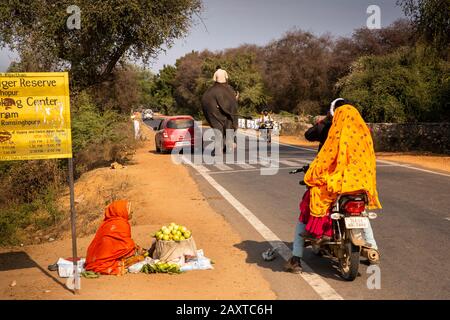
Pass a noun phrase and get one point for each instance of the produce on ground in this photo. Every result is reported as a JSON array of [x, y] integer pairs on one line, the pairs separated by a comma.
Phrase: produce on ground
[[173, 232], [90, 274], [161, 267]]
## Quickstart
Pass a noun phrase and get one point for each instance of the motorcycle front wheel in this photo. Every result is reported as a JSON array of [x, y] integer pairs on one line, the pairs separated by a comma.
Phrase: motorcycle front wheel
[[349, 264]]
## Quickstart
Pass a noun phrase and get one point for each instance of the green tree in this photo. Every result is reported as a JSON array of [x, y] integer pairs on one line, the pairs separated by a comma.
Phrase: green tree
[[408, 85], [110, 31], [296, 70], [431, 19], [245, 77], [163, 89]]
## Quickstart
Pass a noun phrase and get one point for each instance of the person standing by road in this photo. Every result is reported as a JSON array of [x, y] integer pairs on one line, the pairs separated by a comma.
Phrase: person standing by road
[[137, 125]]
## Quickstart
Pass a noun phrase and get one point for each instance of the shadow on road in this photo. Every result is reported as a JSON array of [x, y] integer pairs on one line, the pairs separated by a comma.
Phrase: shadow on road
[[254, 250], [21, 260], [323, 266]]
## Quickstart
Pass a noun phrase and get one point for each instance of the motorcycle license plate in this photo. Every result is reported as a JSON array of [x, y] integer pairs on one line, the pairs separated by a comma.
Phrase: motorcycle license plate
[[183, 143], [356, 223]]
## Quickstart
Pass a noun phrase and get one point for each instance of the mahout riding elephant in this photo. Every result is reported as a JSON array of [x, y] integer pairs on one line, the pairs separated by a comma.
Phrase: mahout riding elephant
[[220, 106]]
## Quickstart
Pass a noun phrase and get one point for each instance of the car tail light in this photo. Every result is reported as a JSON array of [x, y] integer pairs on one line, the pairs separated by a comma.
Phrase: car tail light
[[354, 208], [165, 135]]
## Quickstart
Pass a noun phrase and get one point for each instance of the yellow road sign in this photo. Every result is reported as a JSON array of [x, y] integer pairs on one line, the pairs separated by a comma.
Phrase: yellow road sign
[[35, 116]]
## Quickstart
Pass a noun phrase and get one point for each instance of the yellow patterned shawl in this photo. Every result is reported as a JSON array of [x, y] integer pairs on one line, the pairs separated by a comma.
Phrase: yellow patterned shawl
[[345, 164]]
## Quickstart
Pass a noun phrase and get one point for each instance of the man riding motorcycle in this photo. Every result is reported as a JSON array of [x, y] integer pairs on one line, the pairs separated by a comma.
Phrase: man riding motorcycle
[[266, 125], [344, 164]]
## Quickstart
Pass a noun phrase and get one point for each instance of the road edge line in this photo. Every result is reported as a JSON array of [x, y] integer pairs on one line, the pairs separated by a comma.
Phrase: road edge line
[[319, 285]]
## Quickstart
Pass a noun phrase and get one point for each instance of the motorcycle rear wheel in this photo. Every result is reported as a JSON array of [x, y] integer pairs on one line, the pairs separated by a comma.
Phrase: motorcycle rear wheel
[[349, 264]]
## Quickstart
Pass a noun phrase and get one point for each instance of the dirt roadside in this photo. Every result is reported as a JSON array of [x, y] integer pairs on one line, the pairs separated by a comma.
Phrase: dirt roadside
[[423, 160], [161, 192]]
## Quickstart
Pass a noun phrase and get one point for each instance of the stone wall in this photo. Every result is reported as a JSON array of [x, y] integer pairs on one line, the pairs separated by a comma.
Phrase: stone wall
[[293, 128], [431, 137], [390, 137]]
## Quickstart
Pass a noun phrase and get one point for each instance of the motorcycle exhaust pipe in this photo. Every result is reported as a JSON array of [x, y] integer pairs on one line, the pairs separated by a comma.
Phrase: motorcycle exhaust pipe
[[371, 254]]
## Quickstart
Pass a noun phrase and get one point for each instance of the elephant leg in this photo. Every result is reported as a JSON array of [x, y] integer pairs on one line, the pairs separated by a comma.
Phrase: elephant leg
[[217, 123], [230, 135]]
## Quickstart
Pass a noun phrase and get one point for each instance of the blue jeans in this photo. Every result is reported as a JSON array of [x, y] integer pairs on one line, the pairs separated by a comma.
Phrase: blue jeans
[[299, 243]]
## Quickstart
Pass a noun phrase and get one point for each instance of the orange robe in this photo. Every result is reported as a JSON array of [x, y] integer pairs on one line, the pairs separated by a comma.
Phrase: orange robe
[[345, 164], [112, 242]]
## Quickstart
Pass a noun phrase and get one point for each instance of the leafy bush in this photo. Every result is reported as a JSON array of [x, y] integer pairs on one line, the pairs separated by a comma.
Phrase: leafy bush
[[19, 220], [29, 189], [408, 85], [99, 138]]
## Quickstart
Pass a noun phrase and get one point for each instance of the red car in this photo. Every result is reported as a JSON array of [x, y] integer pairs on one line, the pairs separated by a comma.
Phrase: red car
[[176, 131]]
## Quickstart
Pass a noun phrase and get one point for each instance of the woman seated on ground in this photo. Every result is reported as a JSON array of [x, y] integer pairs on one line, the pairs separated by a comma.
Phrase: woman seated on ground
[[112, 247], [345, 164]]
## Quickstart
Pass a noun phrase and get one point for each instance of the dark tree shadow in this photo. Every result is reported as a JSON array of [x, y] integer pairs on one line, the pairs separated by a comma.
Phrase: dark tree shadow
[[21, 260]]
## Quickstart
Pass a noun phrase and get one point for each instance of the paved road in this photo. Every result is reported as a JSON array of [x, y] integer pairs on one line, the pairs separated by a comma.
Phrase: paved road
[[412, 230]]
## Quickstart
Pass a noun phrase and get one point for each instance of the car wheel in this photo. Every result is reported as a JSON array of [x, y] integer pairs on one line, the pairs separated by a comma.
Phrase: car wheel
[[158, 149]]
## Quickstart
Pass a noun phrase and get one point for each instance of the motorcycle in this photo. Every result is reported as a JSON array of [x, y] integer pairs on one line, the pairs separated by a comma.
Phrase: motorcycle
[[347, 244], [266, 127]]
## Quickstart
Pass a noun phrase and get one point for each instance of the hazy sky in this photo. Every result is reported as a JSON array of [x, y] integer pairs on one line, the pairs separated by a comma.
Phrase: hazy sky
[[229, 23]]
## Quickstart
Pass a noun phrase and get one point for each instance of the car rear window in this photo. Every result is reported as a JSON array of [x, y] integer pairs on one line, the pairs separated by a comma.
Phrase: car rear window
[[180, 124]]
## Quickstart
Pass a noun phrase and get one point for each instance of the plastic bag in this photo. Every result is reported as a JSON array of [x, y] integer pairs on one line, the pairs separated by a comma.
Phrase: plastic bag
[[200, 262], [65, 267], [137, 267]]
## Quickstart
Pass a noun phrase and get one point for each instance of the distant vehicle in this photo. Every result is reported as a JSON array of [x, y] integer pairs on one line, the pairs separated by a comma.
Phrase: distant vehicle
[[175, 131], [147, 114]]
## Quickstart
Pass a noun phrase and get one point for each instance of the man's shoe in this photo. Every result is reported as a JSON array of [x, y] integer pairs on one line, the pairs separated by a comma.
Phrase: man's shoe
[[294, 265]]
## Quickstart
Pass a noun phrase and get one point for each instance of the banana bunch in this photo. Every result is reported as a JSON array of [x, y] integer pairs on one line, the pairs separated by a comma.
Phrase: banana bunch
[[89, 274], [161, 267]]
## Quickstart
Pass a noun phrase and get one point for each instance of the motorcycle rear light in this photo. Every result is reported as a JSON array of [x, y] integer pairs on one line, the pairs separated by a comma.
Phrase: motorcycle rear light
[[354, 208], [335, 216]]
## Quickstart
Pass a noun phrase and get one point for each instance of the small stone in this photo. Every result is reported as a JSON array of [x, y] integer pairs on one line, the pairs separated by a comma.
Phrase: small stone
[[13, 284], [47, 291], [51, 239]]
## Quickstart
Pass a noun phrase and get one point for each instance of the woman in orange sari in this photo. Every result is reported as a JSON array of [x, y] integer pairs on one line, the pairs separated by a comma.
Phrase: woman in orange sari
[[112, 243], [345, 164]]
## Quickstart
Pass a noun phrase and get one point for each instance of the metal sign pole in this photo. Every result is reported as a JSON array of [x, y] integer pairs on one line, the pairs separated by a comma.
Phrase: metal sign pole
[[76, 275]]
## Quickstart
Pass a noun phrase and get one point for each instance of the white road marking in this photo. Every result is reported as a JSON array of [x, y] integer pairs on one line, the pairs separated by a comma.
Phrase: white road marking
[[201, 168], [222, 167], [448, 219], [413, 168], [246, 170], [245, 166], [303, 161], [289, 163], [320, 286], [283, 144]]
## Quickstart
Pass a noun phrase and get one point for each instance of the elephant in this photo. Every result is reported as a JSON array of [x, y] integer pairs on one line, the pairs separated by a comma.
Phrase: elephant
[[219, 104]]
